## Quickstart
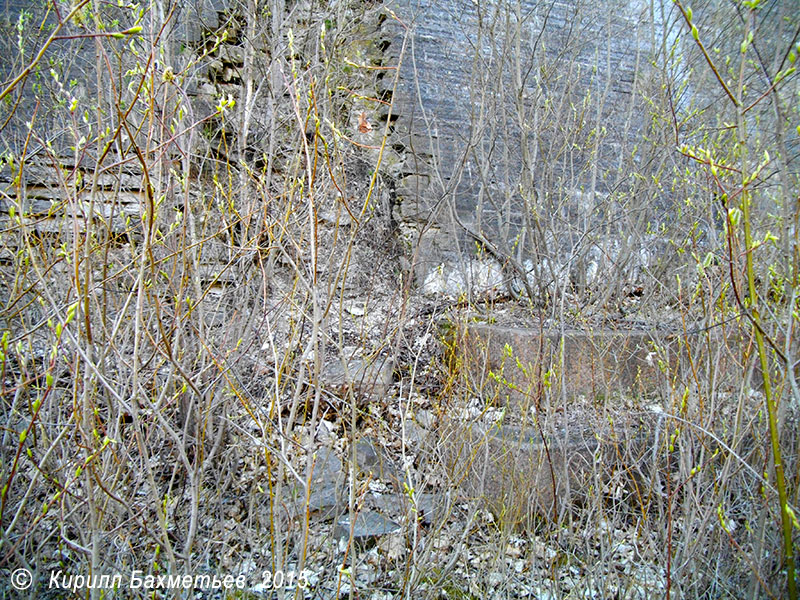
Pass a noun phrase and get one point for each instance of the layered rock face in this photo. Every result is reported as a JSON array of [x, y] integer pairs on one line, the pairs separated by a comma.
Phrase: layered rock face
[[513, 122]]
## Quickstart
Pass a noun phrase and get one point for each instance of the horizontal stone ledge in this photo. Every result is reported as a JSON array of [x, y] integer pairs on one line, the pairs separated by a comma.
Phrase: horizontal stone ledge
[[516, 365], [128, 177]]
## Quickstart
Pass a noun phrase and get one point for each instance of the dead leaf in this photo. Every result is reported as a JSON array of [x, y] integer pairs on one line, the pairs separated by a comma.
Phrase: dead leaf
[[363, 123]]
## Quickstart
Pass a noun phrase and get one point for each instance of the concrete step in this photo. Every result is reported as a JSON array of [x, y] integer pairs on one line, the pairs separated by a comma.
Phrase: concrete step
[[518, 365]]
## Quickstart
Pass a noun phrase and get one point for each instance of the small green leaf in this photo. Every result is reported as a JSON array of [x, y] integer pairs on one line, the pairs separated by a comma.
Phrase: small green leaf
[[71, 312], [792, 516], [695, 33], [721, 517]]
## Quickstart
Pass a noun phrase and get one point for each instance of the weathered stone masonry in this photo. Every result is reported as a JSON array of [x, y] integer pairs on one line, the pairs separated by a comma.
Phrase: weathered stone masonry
[[456, 161], [443, 158]]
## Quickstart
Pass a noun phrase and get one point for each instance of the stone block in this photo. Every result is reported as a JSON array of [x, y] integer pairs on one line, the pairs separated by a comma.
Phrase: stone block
[[372, 376], [373, 463], [368, 525], [514, 364], [525, 477], [412, 186], [517, 366], [326, 496], [417, 209]]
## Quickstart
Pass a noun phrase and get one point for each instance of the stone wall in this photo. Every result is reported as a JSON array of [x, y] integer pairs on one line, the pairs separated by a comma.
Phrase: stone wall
[[479, 120], [58, 190], [478, 131], [73, 60]]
